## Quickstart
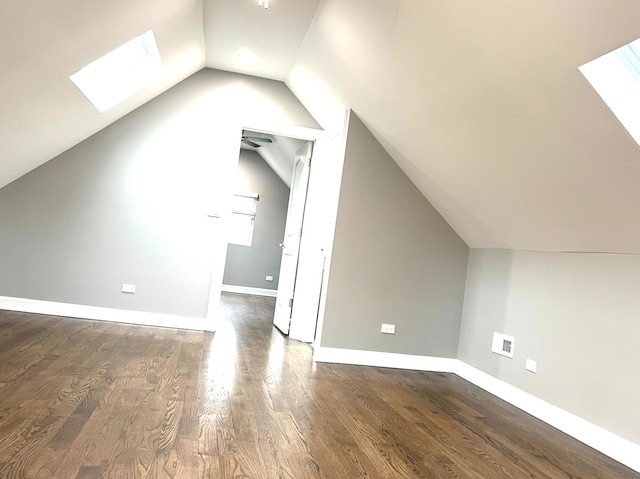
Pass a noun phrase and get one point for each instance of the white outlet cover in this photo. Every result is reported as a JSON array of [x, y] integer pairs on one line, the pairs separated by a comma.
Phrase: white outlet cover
[[503, 344], [129, 288], [388, 329], [269, 278], [532, 365]]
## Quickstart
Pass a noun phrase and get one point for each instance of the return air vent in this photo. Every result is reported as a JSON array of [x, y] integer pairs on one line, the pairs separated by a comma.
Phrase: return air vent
[[503, 344]]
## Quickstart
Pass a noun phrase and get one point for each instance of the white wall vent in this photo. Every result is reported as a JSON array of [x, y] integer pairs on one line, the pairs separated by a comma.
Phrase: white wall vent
[[503, 344]]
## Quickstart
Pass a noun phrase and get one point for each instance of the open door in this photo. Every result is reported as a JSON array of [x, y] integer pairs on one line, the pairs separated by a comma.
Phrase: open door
[[319, 226], [306, 258], [291, 243]]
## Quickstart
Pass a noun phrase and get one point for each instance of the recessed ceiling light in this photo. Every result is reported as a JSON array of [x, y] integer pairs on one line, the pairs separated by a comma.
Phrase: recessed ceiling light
[[120, 73], [616, 78]]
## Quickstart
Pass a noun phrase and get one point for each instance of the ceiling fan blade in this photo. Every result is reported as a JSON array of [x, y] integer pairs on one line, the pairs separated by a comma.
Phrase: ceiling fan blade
[[251, 143], [258, 139]]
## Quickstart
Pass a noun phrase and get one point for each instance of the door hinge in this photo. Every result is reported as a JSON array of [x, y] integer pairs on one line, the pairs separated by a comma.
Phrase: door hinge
[[308, 161], [291, 303], [299, 231]]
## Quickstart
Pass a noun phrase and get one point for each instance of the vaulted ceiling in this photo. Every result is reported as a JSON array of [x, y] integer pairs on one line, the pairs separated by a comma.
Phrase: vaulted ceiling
[[480, 103]]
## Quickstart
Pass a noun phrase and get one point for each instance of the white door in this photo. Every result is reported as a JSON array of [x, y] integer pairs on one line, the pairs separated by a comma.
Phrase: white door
[[291, 243], [319, 225]]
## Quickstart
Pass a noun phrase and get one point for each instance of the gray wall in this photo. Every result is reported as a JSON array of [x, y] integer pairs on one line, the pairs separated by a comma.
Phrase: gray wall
[[249, 265], [129, 204], [395, 260], [576, 314]]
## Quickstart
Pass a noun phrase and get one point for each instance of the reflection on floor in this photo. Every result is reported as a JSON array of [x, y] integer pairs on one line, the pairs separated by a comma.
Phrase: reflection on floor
[[90, 399]]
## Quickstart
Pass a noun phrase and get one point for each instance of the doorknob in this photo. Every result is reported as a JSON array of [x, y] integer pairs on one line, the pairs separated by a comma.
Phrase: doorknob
[[282, 245]]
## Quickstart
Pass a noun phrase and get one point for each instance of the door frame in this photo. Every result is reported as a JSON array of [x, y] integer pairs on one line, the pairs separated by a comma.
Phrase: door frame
[[310, 333], [220, 253], [316, 247]]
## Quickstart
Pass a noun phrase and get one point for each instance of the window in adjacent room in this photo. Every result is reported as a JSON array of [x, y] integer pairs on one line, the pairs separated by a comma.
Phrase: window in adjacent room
[[243, 215], [616, 78], [120, 73]]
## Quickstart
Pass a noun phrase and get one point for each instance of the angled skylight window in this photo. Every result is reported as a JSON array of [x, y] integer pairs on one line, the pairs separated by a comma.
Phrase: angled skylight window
[[616, 78], [120, 73]]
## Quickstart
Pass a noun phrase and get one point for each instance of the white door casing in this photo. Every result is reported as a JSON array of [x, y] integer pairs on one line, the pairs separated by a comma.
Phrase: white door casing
[[318, 232], [317, 236]]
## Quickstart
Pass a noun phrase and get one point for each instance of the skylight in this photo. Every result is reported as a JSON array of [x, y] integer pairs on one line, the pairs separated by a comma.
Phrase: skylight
[[120, 73], [616, 78]]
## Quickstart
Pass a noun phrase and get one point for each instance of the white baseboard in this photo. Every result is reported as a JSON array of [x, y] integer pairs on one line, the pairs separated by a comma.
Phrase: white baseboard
[[230, 288], [608, 443], [322, 354], [104, 314]]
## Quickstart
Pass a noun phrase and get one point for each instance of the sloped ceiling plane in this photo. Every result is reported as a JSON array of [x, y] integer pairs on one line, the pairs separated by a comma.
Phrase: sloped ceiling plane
[[480, 103]]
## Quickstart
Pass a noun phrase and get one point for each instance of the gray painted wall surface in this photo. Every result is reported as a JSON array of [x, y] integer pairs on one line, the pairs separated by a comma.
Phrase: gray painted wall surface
[[129, 204], [395, 260], [575, 314], [249, 265]]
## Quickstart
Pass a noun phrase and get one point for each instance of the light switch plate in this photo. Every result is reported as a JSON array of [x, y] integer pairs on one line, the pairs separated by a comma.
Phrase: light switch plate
[[129, 288], [532, 365]]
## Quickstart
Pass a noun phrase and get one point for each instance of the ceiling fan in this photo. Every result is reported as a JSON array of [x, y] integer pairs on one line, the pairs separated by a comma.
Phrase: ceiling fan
[[255, 141]]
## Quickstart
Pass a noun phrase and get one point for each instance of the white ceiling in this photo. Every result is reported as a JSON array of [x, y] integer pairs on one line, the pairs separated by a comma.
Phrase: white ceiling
[[42, 42], [481, 103], [272, 36]]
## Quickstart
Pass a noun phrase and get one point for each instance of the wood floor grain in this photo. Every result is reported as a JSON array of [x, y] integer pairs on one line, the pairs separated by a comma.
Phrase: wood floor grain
[[84, 399]]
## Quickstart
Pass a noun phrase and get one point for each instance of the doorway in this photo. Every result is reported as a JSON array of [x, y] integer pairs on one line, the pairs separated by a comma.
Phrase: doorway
[[257, 217], [265, 221], [316, 242]]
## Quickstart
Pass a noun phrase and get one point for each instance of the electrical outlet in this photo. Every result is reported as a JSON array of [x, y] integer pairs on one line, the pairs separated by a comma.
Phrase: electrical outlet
[[503, 344], [129, 288], [532, 365], [269, 278], [388, 329]]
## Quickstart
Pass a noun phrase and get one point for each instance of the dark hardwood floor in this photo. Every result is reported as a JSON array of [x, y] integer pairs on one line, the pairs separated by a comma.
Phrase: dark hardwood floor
[[86, 399]]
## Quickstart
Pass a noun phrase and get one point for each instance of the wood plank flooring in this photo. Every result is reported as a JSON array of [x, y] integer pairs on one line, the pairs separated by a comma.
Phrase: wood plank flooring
[[86, 399]]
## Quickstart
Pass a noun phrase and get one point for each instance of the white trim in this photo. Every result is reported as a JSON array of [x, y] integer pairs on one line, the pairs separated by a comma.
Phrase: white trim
[[608, 443], [230, 288], [226, 132], [102, 314], [284, 129], [339, 127], [385, 360]]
